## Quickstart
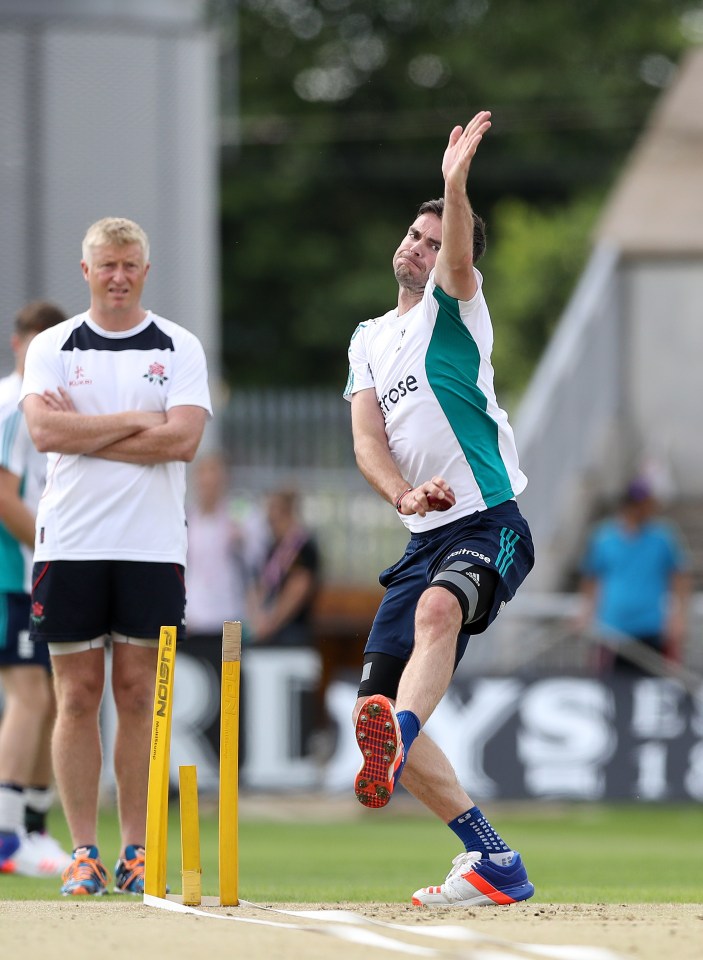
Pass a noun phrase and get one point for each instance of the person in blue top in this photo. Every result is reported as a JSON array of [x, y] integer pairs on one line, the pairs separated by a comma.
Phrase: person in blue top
[[635, 580]]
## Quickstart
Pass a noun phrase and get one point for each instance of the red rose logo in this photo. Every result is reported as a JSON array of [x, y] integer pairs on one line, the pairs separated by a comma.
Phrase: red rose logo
[[156, 373], [37, 612]]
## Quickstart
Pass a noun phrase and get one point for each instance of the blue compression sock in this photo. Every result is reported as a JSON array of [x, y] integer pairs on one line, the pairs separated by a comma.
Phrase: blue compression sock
[[476, 833], [409, 729]]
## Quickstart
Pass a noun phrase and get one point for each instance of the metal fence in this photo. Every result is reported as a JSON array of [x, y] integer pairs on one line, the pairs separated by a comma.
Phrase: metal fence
[[270, 433], [538, 633]]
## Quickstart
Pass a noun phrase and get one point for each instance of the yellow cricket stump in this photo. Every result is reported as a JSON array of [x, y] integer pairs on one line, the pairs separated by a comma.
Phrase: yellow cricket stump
[[159, 761], [191, 871], [229, 763]]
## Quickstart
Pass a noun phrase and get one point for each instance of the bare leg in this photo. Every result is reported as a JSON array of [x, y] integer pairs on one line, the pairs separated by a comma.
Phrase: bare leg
[[431, 779], [79, 679], [43, 771], [429, 670], [27, 705], [133, 678]]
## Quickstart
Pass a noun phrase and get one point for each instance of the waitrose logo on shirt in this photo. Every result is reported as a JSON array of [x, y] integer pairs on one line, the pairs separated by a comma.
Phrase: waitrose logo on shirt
[[396, 393]]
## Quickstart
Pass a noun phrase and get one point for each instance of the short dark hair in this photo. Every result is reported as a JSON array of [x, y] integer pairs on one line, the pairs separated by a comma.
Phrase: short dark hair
[[37, 316], [437, 207]]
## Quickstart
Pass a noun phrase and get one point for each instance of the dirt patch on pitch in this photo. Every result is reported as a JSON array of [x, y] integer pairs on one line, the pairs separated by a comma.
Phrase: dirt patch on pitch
[[47, 930]]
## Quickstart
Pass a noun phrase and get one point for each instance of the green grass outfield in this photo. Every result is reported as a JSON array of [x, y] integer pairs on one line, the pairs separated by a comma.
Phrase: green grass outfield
[[575, 854]]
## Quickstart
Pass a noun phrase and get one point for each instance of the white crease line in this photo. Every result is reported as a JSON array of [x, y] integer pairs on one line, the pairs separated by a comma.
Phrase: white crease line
[[449, 932], [160, 904], [365, 937], [576, 952], [368, 938]]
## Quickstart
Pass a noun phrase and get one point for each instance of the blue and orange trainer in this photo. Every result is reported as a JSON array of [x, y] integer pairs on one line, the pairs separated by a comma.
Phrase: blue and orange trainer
[[85, 875], [475, 881]]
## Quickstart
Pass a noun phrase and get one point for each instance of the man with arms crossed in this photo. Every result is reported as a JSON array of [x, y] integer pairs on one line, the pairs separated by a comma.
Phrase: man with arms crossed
[[26, 790], [430, 437], [118, 397]]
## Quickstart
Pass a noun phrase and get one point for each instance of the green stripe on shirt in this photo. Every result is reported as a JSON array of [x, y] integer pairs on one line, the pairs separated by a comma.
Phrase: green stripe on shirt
[[452, 364]]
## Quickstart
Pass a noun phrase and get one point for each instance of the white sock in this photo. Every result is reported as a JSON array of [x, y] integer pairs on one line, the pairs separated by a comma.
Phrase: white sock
[[39, 799], [11, 809]]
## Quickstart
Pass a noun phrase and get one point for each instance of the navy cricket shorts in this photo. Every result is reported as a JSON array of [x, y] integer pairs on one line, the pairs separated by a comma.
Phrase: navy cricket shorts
[[497, 538]]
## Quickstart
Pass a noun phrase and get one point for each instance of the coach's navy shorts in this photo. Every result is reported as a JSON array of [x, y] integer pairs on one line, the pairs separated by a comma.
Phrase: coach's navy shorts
[[16, 649], [79, 600], [498, 539]]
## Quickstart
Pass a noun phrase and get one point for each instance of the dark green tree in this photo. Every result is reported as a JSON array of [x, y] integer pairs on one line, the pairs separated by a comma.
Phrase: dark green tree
[[334, 121]]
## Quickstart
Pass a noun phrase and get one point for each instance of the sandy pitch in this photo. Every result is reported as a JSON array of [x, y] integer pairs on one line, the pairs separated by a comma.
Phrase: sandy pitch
[[41, 930]]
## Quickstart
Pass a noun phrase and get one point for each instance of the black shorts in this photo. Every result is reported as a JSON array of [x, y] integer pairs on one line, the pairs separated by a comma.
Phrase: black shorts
[[16, 648], [79, 600]]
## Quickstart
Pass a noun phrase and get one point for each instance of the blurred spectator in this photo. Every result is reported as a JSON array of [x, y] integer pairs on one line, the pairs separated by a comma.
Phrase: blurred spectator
[[223, 554], [282, 599], [26, 776], [635, 582]]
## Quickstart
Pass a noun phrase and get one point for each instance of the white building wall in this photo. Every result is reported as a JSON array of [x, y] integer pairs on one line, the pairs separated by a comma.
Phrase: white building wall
[[14, 226], [109, 117], [662, 357]]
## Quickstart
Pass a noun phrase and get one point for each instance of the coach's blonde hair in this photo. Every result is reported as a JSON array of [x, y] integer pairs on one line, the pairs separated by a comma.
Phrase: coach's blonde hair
[[115, 230]]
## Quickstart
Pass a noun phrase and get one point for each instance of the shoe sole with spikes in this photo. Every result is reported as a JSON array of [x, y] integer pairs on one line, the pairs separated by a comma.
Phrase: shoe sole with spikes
[[378, 738]]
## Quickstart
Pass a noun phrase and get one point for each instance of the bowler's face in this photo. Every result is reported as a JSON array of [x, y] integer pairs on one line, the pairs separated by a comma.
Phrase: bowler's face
[[116, 275], [417, 253]]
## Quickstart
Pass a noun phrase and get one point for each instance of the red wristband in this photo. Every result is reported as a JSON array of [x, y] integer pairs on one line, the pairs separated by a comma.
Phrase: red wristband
[[399, 501]]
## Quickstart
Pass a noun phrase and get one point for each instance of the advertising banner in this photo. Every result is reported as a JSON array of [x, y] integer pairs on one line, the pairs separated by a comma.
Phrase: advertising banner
[[515, 737]]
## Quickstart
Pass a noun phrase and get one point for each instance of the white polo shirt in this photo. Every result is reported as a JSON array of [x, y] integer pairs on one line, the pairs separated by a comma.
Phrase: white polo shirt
[[105, 509], [432, 373]]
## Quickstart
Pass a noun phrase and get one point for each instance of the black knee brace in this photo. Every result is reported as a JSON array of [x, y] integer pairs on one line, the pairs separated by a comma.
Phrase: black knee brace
[[474, 587]]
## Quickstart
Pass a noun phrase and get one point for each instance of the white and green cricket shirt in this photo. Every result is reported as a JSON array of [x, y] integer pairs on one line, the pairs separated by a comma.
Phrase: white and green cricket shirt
[[432, 373]]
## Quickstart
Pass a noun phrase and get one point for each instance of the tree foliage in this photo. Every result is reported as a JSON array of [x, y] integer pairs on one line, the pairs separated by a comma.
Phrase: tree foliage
[[335, 119], [537, 253]]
